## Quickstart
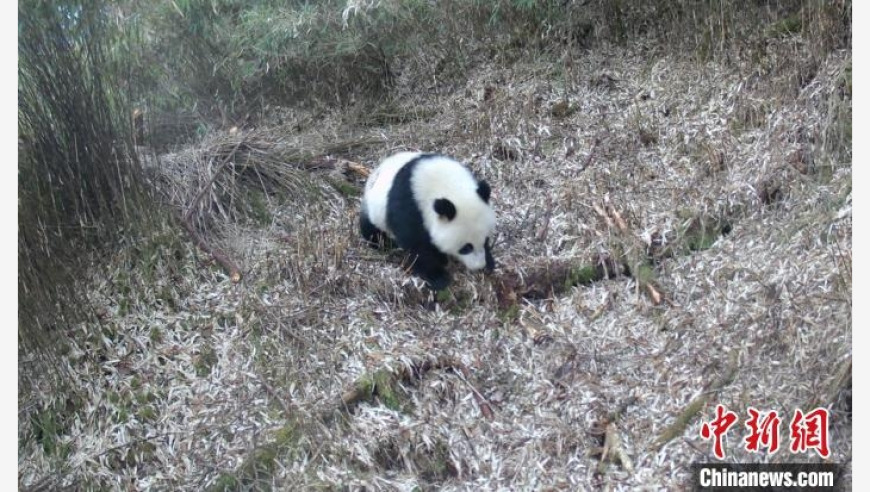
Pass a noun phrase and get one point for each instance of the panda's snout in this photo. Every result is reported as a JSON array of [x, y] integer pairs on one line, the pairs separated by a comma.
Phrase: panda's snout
[[474, 261]]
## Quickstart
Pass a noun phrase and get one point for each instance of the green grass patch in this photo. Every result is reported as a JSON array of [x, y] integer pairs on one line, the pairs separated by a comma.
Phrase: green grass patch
[[343, 187], [645, 273], [583, 275], [258, 207], [786, 27], [383, 385], [508, 315], [455, 301]]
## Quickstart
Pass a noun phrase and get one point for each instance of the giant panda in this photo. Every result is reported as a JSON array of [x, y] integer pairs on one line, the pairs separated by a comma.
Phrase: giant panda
[[432, 207]]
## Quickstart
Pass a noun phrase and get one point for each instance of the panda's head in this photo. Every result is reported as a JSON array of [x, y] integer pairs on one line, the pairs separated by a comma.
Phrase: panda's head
[[463, 224]]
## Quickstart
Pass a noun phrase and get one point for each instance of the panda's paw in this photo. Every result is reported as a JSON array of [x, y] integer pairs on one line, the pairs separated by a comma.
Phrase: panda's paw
[[438, 282], [490, 261]]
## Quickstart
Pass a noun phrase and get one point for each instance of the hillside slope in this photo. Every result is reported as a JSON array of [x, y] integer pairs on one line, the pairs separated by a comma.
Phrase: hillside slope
[[723, 188]]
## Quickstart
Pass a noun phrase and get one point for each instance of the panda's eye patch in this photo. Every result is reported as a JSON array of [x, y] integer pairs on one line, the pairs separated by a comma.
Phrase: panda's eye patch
[[468, 248]]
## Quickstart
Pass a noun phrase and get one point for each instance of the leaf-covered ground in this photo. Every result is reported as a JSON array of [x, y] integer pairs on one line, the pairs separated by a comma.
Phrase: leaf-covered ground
[[723, 189]]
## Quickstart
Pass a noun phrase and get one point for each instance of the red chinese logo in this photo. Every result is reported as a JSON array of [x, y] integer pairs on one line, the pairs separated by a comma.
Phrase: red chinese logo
[[717, 429], [763, 431], [810, 431]]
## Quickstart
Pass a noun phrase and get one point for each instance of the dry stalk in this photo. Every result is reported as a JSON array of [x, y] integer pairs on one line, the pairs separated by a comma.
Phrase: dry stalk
[[591, 155], [639, 267]]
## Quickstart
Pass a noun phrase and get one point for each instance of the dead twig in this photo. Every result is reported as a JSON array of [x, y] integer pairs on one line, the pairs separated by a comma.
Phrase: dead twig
[[600, 211], [465, 375], [274, 394], [218, 255], [620, 222], [601, 309], [588, 160]]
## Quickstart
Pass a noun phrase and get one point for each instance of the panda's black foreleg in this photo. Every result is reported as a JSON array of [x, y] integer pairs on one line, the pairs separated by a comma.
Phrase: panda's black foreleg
[[431, 265], [374, 236], [490, 261]]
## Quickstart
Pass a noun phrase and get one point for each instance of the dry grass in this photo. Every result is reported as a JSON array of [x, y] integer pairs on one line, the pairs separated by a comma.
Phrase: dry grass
[[190, 381]]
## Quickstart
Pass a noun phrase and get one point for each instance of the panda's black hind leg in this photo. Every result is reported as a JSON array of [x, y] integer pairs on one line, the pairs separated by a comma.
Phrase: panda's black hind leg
[[374, 236]]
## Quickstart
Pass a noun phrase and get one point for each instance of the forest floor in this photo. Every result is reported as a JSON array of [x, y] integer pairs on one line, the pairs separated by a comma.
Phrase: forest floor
[[715, 188]]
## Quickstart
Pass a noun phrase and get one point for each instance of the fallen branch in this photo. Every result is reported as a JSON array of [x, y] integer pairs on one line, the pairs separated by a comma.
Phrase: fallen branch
[[617, 217], [218, 255], [329, 163], [187, 222], [685, 418], [357, 168], [382, 382], [601, 213], [553, 278], [207, 186]]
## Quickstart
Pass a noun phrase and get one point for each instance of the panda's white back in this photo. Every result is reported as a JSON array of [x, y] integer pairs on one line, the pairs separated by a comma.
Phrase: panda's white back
[[378, 187], [435, 177]]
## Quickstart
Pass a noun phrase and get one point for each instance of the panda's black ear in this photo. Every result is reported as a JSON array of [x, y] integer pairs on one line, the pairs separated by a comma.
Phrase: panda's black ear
[[445, 208], [483, 190]]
